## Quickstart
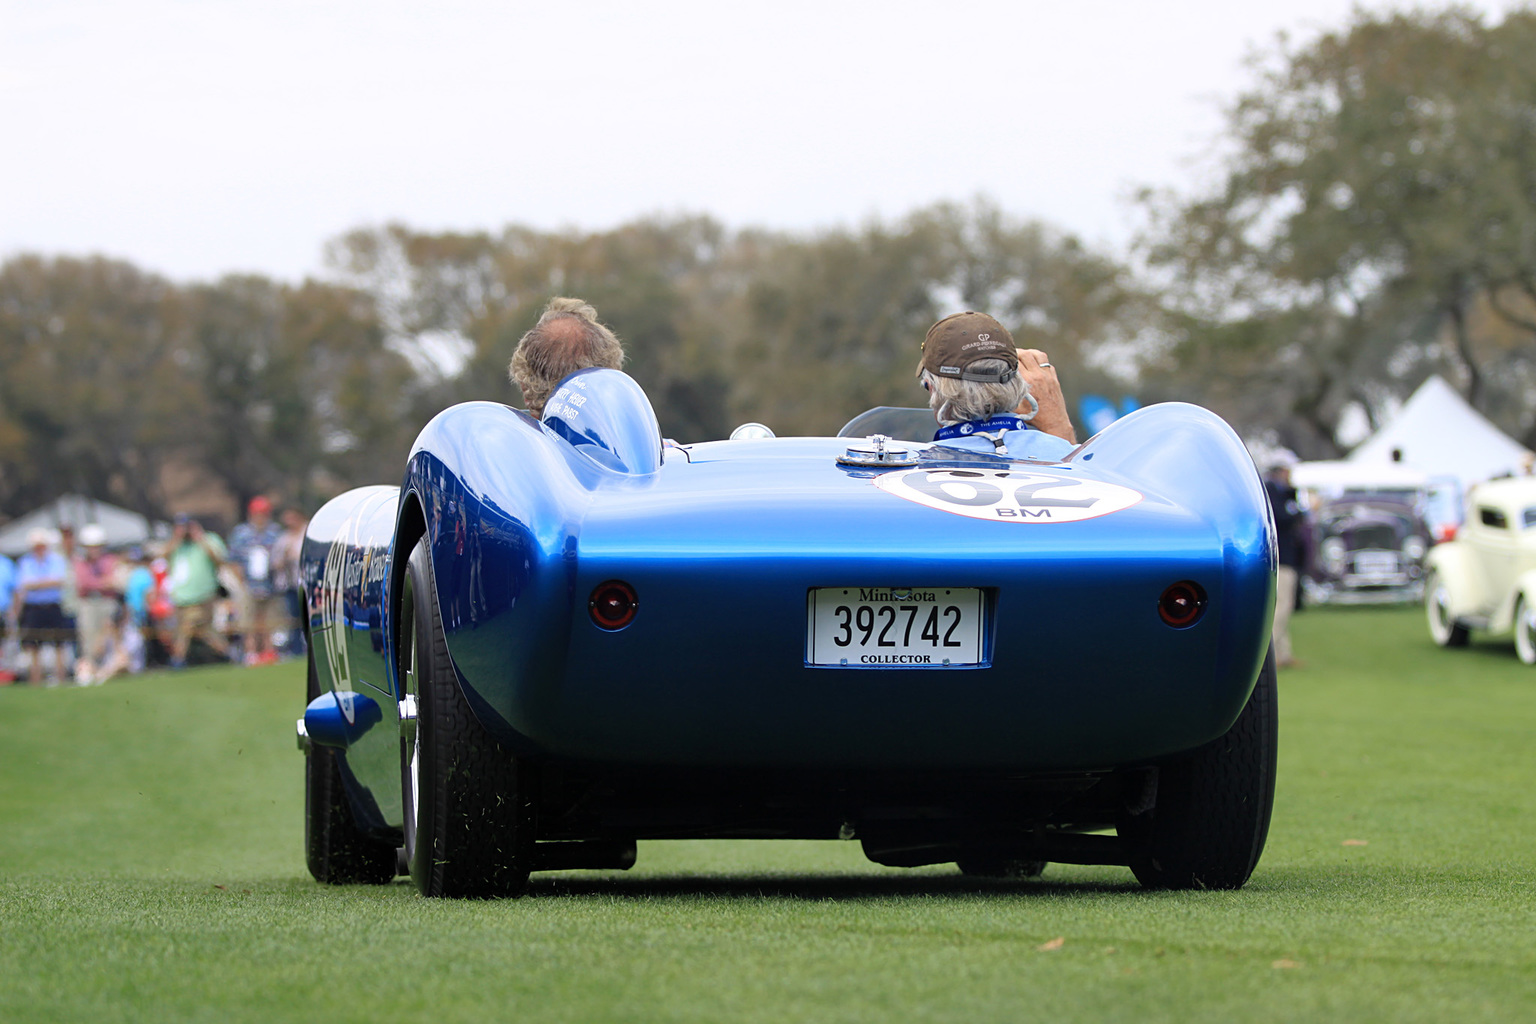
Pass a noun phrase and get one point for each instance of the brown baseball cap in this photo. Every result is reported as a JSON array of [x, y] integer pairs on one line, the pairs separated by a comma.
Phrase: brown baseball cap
[[961, 339]]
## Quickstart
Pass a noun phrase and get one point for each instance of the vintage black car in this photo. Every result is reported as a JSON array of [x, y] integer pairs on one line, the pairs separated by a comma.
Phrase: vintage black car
[[1368, 547]]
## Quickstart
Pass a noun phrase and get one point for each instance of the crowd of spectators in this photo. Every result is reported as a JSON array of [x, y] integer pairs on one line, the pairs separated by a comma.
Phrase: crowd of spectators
[[72, 609]]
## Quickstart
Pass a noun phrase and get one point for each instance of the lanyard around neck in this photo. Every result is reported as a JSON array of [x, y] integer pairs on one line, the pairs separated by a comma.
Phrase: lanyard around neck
[[999, 424]]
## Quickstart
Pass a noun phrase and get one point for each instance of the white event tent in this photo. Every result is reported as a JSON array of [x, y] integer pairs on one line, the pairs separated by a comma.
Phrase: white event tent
[[1439, 434], [122, 527]]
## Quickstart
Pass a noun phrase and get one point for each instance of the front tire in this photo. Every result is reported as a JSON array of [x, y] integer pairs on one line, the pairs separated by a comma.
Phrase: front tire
[[336, 850], [468, 817], [1525, 631], [1443, 629], [1210, 817]]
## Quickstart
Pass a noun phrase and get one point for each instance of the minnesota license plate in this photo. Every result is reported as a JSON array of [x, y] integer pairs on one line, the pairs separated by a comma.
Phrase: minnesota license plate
[[877, 627]]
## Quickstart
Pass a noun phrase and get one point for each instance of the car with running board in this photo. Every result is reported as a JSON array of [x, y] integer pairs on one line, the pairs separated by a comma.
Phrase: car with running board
[[1485, 579]]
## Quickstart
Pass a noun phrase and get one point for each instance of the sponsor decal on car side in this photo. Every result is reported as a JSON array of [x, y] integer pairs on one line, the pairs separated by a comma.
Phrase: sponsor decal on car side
[[352, 563], [333, 638], [1009, 495]]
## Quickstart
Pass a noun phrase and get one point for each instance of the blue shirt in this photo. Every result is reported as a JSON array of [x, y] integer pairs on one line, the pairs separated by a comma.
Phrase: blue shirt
[[31, 569], [7, 582], [252, 550], [136, 593], [1024, 443]]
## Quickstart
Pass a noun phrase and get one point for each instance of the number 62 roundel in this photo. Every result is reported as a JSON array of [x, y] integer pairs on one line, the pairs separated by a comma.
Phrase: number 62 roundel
[[1009, 495]]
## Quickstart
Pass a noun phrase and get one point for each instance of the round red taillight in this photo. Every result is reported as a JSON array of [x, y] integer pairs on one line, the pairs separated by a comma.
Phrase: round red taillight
[[612, 604], [1182, 604]]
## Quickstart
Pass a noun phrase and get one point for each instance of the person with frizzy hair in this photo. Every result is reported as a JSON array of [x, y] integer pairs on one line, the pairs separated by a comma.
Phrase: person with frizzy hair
[[567, 338]]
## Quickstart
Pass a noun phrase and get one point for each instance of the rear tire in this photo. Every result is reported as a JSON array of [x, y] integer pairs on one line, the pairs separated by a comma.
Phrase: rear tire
[[337, 851], [468, 818], [1210, 817], [1525, 631], [1443, 629]]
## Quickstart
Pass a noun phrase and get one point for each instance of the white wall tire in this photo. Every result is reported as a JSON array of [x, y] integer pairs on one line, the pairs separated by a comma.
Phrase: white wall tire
[[1525, 631], [1443, 629]]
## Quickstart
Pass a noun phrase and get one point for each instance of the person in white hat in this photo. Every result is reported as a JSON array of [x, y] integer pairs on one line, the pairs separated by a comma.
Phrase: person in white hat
[[99, 594], [40, 576]]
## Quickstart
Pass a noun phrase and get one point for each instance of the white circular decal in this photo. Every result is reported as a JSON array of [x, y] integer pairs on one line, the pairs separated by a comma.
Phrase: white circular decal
[[1009, 495]]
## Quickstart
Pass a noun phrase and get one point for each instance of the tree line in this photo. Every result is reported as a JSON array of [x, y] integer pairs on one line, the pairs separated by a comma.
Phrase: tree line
[[114, 374], [1372, 221], [114, 377]]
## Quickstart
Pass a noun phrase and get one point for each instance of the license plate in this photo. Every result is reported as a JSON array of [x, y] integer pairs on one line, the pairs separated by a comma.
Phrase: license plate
[[1375, 563], [875, 627]]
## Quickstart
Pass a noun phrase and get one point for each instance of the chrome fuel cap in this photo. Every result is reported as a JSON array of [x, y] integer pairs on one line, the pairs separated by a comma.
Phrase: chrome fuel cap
[[876, 451]]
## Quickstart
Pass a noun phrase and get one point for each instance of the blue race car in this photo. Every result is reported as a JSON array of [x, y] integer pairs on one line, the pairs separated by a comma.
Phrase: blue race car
[[559, 637]]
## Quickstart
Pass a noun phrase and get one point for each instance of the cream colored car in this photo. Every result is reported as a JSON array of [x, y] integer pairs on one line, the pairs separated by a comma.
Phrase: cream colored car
[[1485, 579]]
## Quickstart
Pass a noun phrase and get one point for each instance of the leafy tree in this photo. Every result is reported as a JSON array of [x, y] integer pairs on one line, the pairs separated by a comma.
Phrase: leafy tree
[[458, 303], [834, 324], [294, 389], [362, 402], [722, 327], [89, 386], [1374, 220], [114, 376], [243, 400]]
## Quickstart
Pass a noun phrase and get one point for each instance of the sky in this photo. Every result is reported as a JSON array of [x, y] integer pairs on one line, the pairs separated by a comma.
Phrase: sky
[[203, 137]]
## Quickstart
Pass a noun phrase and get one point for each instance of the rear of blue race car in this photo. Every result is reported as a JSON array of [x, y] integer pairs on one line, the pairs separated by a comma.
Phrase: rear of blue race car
[[955, 659]]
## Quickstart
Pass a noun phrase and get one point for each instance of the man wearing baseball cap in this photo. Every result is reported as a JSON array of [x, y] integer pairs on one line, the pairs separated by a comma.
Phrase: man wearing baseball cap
[[192, 559], [37, 602], [989, 396], [252, 547], [99, 592]]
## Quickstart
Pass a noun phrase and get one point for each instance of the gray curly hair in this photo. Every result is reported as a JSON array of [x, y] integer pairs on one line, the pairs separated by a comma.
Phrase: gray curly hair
[[955, 401], [567, 338]]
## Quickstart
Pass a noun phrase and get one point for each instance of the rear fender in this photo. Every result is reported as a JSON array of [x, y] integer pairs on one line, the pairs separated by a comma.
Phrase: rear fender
[[345, 564], [501, 499], [1193, 452]]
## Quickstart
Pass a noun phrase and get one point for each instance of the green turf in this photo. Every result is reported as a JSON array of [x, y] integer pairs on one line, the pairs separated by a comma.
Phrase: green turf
[[151, 869]]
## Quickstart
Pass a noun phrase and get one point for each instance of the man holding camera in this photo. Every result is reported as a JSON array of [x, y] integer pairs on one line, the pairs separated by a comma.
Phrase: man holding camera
[[192, 579]]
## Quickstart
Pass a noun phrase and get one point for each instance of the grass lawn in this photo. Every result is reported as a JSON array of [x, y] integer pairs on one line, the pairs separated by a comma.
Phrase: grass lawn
[[151, 868]]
